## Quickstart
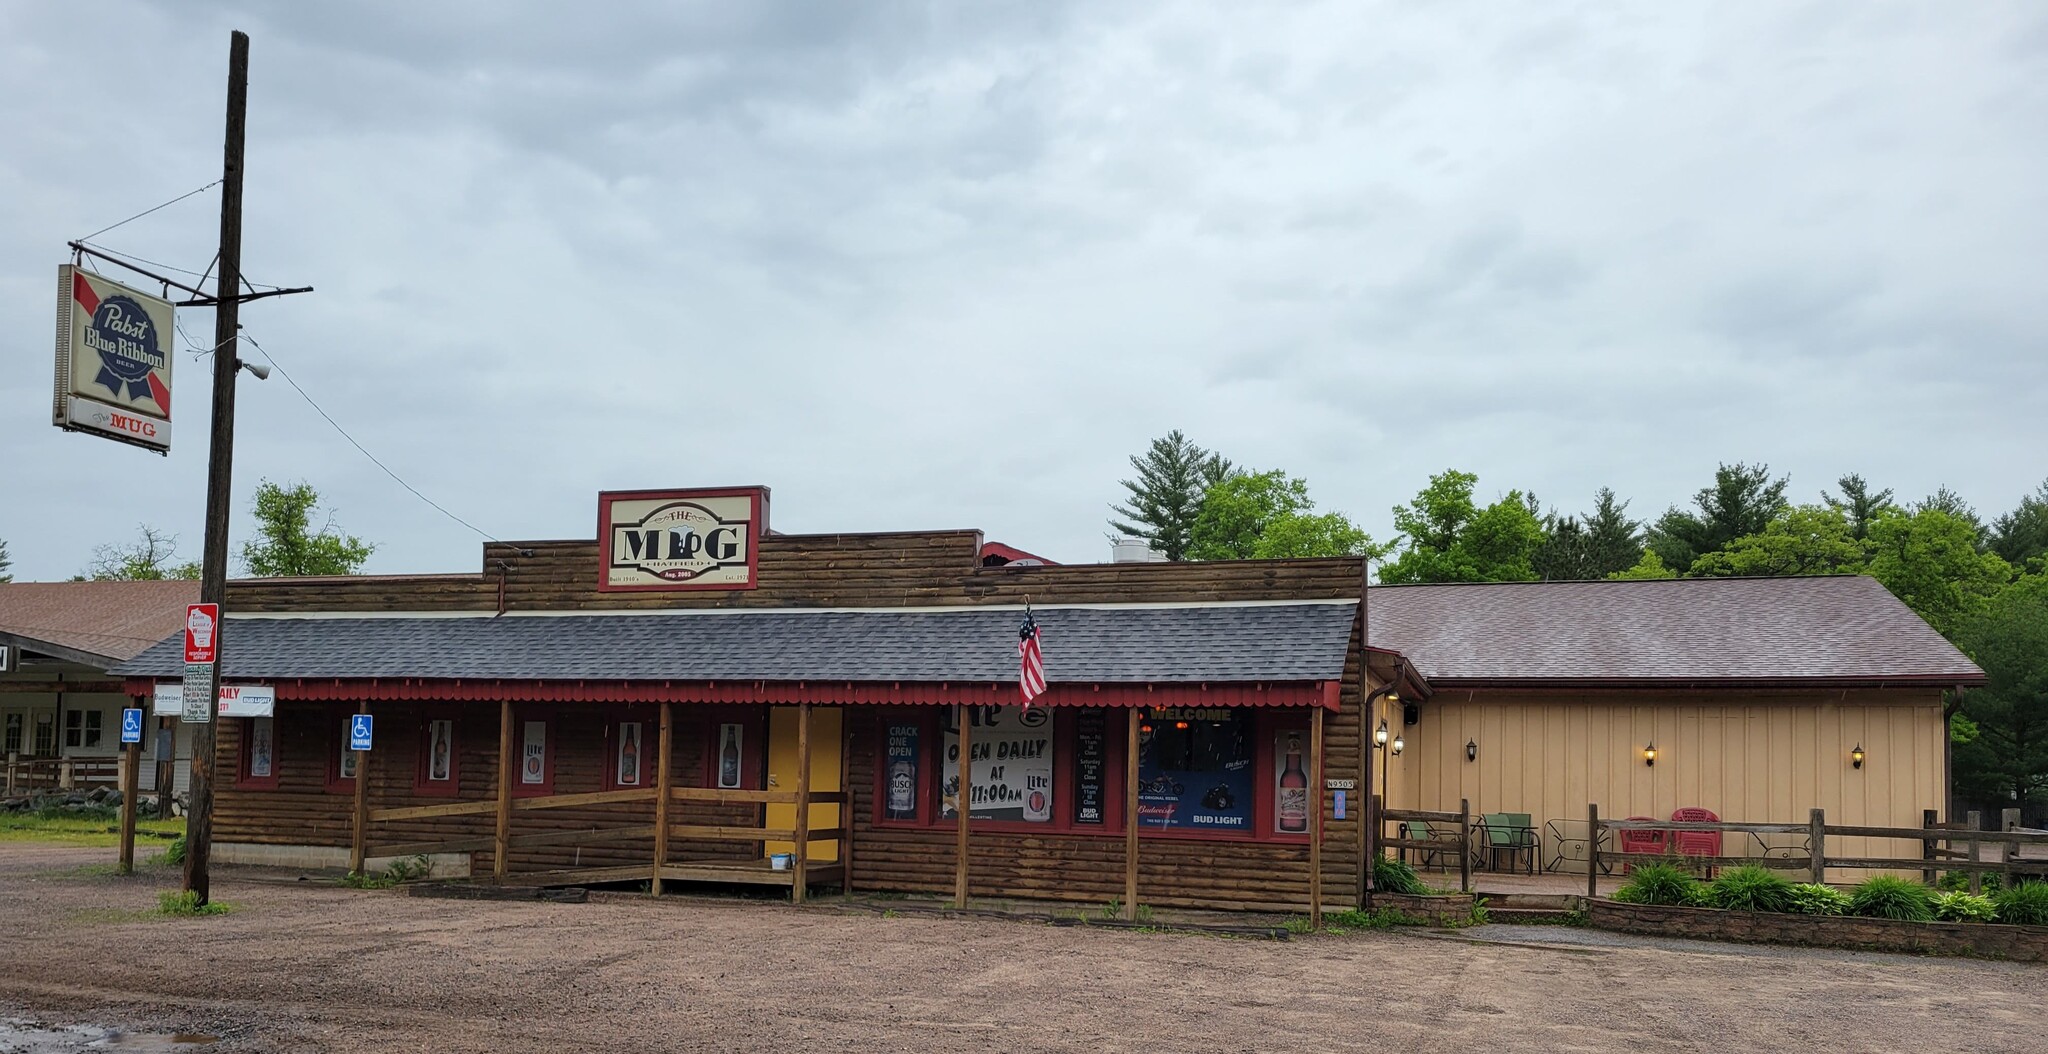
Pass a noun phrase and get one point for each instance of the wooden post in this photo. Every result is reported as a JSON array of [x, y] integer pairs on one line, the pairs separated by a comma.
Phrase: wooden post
[[1368, 833], [1928, 818], [361, 842], [65, 780], [962, 806], [1817, 839], [13, 759], [166, 766], [2008, 819], [1131, 816], [800, 841], [662, 776], [1315, 812], [1464, 845], [501, 844], [1975, 820], [1592, 851], [131, 761], [846, 801]]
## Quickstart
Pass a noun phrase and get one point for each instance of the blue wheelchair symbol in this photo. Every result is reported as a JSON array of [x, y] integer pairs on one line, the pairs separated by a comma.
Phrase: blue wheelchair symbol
[[359, 732], [131, 726]]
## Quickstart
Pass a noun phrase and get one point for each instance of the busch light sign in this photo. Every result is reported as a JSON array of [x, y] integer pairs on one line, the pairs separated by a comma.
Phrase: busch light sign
[[114, 356], [683, 539]]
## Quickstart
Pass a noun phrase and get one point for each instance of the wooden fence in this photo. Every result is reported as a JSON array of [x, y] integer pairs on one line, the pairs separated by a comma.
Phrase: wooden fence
[[26, 775], [1955, 847], [1436, 843]]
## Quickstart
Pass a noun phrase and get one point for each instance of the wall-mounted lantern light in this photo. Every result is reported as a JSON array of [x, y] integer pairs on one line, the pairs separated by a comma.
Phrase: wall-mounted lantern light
[[1379, 735], [1856, 756], [1650, 753], [1471, 750], [1398, 744]]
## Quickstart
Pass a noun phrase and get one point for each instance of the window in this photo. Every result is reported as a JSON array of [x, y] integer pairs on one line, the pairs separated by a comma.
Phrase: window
[[1012, 765], [82, 728], [438, 769], [632, 761], [341, 761], [15, 723], [257, 767], [536, 776], [1195, 769], [902, 798], [46, 734]]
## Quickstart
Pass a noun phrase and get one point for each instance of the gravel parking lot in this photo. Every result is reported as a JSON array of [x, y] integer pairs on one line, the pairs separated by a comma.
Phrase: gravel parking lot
[[309, 966]]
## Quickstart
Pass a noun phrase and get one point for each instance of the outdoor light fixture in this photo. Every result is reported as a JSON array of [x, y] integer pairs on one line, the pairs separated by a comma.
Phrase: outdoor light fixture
[[1379, 735], [1471, 750], [1650, 753], [1182, 725], [1398, 744], [1856, 756]]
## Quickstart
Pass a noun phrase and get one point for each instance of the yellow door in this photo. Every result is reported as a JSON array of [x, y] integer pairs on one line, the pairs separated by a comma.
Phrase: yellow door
[[782, 768]]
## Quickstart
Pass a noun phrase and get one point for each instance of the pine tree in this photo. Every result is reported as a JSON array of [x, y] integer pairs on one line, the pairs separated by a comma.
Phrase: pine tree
[[1858, 504], [5, 562], [1173, 476], [1743, 501], [2020, 536]]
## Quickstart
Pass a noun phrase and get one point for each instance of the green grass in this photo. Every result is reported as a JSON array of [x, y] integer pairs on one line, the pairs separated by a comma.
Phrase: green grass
[[1395, 876], [1750, 888], [183, 903], [2025, 904], [402, 870], [1891, 897], [1664, 884], [94, 828]]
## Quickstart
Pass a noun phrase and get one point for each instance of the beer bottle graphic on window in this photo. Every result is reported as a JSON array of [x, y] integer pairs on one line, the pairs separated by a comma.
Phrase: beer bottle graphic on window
[[729, 758], [1293, 796]]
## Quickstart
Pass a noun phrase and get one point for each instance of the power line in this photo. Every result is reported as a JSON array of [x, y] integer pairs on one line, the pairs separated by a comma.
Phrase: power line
[[146, 212], [282, 372]]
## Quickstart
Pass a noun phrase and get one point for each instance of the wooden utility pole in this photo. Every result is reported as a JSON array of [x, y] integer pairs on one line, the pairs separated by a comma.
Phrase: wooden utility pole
[[213, 574]]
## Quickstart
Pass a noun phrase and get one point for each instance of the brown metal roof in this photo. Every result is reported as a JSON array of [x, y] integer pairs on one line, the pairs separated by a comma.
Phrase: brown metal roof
[[1844, 629], [97, 623]]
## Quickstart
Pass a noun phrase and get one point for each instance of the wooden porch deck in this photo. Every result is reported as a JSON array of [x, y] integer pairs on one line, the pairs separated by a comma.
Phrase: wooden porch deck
[[749, 873]]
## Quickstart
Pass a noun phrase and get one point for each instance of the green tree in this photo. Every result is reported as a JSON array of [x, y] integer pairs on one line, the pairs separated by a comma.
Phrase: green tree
[[153, 557], [1449, 538], [1173, 476], [5, 562], [1743, 500], [1858, 504], [287, 547], [1946, 500], [2008, 637], [1594, 545], [1650, 566], [2020, 536], [1805, 540], [1929, 559], [1269, 515]]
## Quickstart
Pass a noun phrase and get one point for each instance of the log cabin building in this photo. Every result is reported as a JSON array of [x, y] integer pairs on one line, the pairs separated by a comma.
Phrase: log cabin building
[[692, 697]]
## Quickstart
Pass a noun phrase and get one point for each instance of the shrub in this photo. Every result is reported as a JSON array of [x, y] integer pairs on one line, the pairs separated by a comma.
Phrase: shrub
[[1889, 897], [185, 903], [1813, 898], [1750, 888], [1963, 907], [2025, 904], [1953, 881], [1661, 884], [176, 853], [1394, 876]]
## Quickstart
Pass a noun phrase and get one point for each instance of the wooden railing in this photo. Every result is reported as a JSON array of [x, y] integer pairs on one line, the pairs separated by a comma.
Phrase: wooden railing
[[1938, 841], [1461, 847], [23, 775]]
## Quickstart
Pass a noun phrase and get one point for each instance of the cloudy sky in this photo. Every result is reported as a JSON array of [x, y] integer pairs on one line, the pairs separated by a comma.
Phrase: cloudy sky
[[948, 266]]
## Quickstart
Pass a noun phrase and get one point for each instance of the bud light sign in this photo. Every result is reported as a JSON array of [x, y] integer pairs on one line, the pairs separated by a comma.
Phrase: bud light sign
[[114, 357], [701, 539]]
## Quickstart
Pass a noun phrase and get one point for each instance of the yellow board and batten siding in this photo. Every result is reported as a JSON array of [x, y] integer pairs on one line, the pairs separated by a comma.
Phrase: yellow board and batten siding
[[1765, 756], [826, 738]]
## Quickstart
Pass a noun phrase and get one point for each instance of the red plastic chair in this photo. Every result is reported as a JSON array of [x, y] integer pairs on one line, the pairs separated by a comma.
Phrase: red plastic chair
[[1634, 840], [1696, 843]]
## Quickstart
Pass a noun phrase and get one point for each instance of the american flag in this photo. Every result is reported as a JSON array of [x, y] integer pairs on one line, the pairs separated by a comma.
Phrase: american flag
[[1031, 662]]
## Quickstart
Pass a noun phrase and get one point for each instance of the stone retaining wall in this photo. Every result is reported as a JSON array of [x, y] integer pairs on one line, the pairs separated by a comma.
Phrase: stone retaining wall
[[2019, 943], [1437, 908]]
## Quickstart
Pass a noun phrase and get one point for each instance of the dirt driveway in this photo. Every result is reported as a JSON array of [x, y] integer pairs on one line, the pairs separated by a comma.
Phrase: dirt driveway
[[311, 966]]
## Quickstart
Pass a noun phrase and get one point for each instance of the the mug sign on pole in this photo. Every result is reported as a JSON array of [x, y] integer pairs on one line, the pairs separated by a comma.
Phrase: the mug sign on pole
[[200, 622], [131, 726], [359, 731]]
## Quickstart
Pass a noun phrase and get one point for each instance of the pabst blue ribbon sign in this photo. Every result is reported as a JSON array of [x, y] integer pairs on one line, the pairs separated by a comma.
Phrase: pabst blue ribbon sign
[[114, 354], [683, 539]]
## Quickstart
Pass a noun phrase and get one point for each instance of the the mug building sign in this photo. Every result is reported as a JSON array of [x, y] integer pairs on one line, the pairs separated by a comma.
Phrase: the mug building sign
[[697, 539]]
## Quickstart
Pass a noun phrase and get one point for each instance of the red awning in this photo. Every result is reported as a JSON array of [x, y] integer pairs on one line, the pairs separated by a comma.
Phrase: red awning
[[837, 693]]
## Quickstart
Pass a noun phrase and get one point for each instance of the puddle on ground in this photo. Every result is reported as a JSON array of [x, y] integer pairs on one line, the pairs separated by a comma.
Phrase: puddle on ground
[[18, 1036]]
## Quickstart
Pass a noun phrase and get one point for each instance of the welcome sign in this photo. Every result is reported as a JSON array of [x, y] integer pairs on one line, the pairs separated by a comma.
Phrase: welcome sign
[[681, 539], [114, 355]]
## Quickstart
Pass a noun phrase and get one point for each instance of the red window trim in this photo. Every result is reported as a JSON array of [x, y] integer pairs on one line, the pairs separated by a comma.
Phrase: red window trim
[[452, 786], [244, 781], [334, 743], [753, 724], [552, 751], [650, 747]]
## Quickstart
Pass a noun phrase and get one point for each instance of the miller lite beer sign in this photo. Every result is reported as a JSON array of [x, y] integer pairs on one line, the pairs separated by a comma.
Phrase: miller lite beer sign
[[681, 539], [114, 355]]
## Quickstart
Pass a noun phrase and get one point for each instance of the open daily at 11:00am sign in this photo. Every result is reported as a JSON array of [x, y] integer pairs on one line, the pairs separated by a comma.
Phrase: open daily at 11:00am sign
[[236, 700]]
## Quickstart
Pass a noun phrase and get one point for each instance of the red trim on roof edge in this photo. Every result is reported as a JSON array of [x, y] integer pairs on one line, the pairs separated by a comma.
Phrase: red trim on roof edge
[[833, 693]]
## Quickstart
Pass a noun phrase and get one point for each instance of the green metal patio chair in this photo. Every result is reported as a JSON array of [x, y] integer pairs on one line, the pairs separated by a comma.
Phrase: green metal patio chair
[[1511, 833]]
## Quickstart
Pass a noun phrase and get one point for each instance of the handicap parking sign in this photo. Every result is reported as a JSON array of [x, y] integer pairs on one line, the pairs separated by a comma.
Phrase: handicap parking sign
[[359, 732], [131, 726]]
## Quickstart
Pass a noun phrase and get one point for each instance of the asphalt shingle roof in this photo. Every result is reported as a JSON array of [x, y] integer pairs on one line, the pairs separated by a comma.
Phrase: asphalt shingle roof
[[110, 620], [1230, 643], [1749, 629]]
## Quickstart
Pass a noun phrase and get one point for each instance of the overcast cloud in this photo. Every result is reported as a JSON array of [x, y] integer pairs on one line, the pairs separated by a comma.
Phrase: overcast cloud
[[947, 266]]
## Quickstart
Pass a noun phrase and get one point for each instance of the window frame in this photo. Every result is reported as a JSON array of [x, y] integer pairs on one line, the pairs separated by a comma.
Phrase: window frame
[[753, 758], [422, 785], [650, 749], [551, 751], [336, 742], [245, 734], [84, 728]]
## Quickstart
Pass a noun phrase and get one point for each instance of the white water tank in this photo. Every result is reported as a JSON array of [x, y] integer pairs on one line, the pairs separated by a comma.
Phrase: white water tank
[[1133, 551]]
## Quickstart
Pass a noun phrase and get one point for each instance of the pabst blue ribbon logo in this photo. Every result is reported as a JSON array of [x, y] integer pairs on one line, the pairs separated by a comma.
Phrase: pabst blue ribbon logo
[[131, 350]]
